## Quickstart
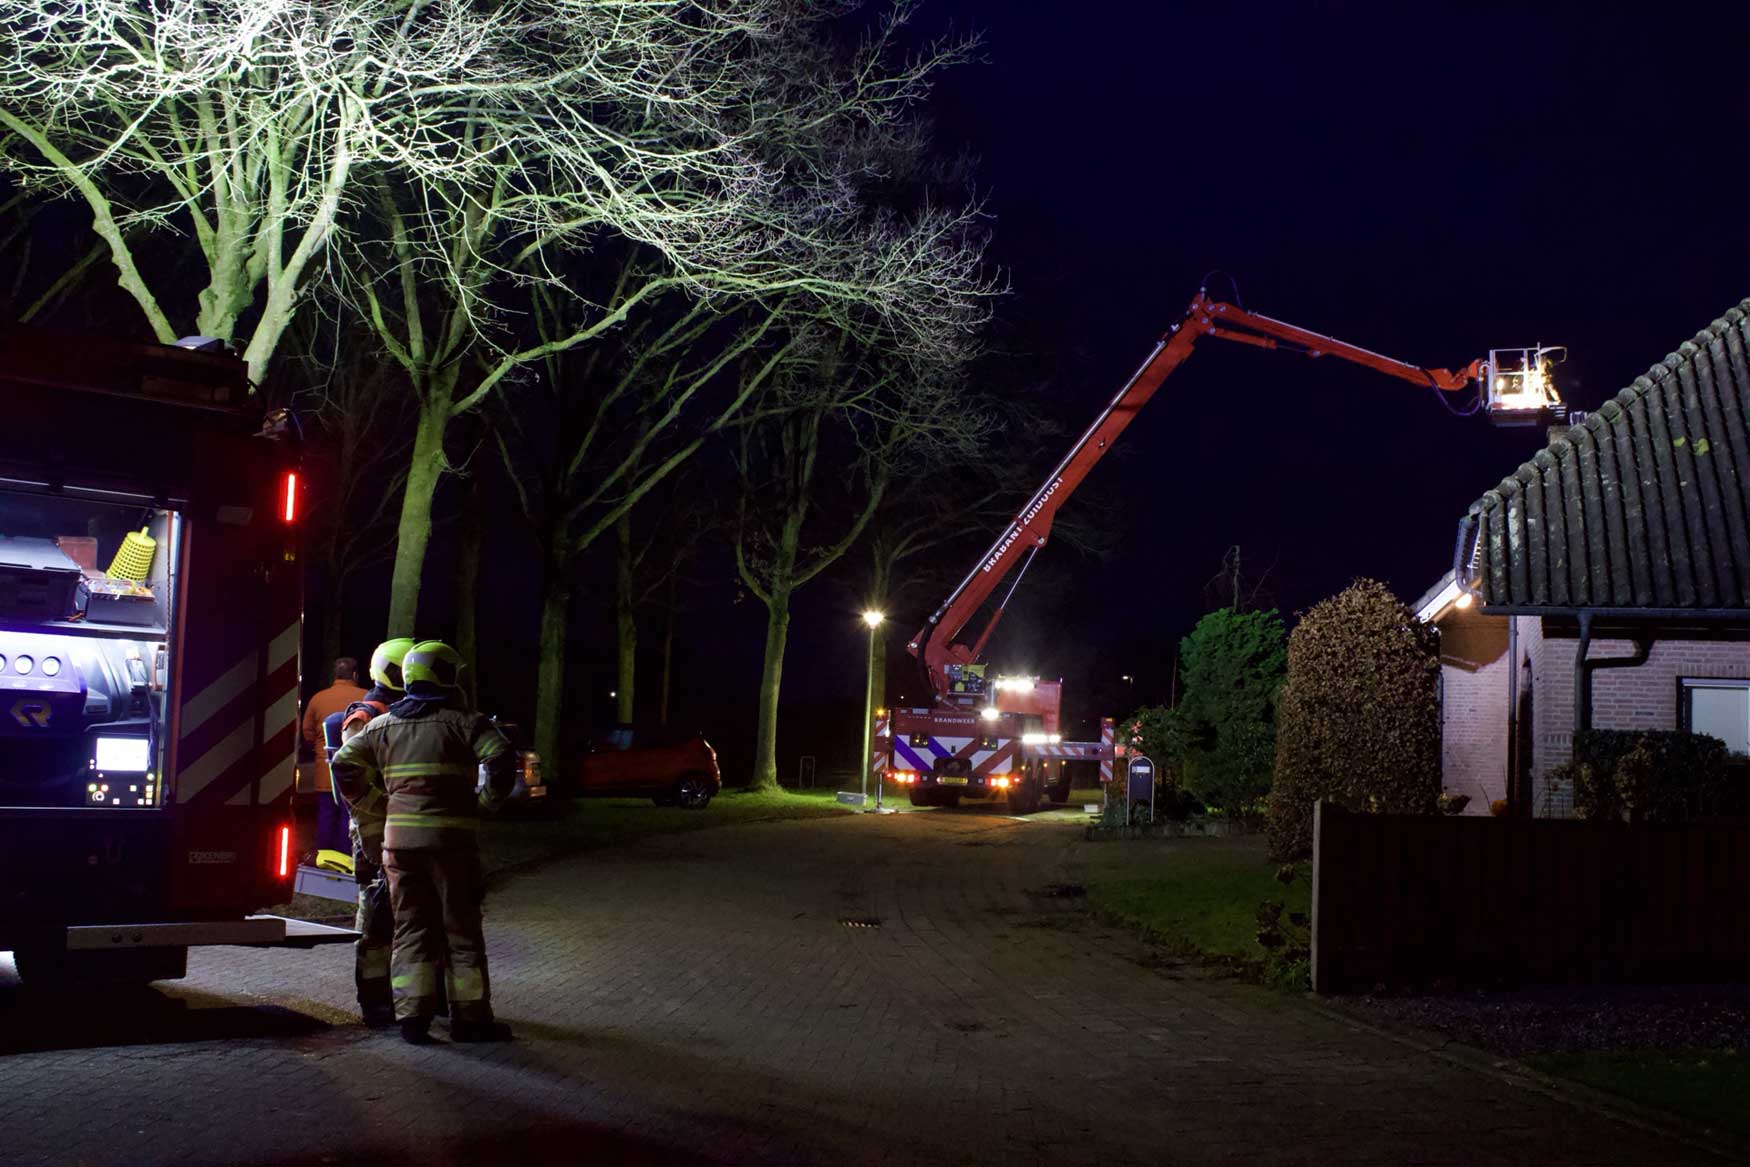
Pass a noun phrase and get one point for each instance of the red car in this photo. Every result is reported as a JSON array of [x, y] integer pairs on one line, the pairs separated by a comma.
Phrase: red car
[[680, 774]]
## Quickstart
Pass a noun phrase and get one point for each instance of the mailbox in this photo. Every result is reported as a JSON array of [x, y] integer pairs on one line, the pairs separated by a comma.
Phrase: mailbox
[[1140, 785]]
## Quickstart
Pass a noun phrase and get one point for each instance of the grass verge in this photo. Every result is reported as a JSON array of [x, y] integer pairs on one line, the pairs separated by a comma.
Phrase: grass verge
[[1199, 898], [1708, 1086]]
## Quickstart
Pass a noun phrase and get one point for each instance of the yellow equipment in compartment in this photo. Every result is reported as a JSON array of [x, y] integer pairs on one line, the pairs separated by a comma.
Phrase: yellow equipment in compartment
[[133, 560]]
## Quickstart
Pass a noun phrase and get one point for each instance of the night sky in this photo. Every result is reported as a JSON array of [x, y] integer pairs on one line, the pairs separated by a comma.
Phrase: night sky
[[1429, 183]]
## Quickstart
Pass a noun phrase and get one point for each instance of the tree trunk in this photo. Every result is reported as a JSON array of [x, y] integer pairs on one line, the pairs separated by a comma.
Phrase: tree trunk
[[473, 533], [414, 531], [765, 764], [550, 669], [333, 632], [626, 622], [667, 654]]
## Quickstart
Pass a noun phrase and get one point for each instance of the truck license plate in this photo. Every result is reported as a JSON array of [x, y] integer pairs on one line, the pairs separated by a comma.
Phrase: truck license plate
[[952, 780]]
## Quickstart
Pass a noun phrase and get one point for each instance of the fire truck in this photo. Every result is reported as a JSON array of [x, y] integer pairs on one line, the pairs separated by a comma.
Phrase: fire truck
[[150, 618], [992, 736]]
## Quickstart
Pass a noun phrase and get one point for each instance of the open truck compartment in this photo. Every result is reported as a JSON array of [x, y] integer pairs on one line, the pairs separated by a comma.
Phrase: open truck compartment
[[87, 604]]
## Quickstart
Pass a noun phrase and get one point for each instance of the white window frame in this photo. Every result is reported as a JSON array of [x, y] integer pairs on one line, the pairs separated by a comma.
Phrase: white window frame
[[1688, 685]]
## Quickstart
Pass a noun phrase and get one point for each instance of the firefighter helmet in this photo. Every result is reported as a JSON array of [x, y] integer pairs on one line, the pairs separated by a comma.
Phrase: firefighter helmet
[[386, 663], [432, 662]]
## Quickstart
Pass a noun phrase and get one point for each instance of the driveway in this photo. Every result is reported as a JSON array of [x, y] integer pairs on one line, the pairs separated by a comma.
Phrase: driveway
[[856, 990]]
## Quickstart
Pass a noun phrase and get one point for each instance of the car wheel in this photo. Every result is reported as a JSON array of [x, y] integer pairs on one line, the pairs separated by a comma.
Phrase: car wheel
[[692, 792]]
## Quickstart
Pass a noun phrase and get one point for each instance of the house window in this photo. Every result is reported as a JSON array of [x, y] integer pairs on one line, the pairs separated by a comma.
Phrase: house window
[[1719, 708]]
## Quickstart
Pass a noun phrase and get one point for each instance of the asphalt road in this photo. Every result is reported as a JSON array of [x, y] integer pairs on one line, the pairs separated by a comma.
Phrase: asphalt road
[[856, 990]]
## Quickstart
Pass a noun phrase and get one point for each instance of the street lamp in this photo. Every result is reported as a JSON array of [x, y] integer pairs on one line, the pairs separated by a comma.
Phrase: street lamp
[[873, 619]]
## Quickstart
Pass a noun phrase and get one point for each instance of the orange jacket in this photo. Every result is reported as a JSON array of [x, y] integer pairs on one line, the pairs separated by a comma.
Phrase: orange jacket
[[333, 699]]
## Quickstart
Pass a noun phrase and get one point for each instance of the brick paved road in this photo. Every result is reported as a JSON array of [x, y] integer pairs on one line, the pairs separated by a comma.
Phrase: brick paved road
[[697, 998]]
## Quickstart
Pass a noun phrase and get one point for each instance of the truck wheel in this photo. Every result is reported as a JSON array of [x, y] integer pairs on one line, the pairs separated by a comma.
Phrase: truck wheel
[[1024, 799], [950, 798], [1058, 791], [920, 797]]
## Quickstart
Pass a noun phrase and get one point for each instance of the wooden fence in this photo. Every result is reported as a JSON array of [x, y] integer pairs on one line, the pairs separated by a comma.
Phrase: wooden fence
[[1410, 900]]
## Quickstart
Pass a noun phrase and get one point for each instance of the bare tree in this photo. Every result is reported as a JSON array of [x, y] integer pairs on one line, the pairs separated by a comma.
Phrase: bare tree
[[709, 145], [814, 467], [355, 460], [248, 123], [693, 350]]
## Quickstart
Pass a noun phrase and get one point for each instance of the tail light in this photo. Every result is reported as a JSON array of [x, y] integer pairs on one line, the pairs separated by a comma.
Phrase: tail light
[[290, 496], [282, 852]]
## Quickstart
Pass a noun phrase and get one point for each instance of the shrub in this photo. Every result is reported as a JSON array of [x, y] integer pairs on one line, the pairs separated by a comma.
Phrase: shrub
[[1359, 719], [1219, 744], [1593, 798], [1286, 938], [1655, 776]]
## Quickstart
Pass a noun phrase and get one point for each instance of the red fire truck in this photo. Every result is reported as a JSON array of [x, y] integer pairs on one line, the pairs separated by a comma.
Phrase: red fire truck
[[999, 736], [150, 617]]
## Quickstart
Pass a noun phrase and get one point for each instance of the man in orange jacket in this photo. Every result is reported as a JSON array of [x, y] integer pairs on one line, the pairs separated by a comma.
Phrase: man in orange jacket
[[330, 822]]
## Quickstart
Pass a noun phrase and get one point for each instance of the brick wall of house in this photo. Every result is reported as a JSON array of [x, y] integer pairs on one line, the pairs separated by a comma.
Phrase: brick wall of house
[[1626, 698], [1473, 702]]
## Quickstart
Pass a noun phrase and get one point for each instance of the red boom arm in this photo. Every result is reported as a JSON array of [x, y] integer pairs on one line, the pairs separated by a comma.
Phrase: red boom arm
[[937, 642]]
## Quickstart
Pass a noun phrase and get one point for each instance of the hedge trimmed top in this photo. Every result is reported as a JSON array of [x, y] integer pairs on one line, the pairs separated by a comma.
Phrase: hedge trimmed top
[[1642, 505]]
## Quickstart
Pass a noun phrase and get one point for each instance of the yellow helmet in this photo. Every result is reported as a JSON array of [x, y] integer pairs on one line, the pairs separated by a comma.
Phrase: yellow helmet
[[432, 662], [386, 663]]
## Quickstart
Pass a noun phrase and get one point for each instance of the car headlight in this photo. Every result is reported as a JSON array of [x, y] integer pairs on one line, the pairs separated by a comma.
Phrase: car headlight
[[123, 755]]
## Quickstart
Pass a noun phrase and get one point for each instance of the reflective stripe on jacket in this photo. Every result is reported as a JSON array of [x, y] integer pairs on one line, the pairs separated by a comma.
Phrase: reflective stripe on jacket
[[429, 767]]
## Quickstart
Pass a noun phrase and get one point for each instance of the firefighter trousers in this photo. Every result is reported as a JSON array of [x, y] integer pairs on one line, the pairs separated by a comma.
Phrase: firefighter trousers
[[375, 924], [436, 897]]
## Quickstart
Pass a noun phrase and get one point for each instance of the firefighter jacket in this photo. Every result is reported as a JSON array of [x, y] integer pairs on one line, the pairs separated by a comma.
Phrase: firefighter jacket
[[425, 760], [367, 812]]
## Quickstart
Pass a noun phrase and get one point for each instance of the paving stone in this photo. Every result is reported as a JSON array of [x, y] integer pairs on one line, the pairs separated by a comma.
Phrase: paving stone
[[695, 999]]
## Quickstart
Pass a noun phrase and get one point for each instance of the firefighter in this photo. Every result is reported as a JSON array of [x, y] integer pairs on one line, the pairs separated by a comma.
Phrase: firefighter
[[425, 754], [374, 922]]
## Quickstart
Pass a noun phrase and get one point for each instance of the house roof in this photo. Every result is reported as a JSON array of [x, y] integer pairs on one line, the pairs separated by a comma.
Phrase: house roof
[[1642, 506], [1432, 604]]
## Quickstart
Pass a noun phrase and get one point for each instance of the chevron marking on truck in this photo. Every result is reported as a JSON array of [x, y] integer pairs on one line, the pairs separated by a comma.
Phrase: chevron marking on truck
[[1107, 735], [983, 761], [282, 718], [231, 684], [239, 768]]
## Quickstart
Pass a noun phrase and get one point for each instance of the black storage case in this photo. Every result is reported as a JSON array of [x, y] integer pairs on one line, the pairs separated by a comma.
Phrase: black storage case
[[37, 580]]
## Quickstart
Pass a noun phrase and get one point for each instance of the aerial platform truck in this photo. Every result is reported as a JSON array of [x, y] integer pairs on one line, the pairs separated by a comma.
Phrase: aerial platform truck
[[995, 736], [150, 619]]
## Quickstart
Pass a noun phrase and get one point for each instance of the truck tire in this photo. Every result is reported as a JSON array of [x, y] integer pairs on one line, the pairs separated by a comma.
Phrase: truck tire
[[1024, 798], [920, 797], [950, 798]]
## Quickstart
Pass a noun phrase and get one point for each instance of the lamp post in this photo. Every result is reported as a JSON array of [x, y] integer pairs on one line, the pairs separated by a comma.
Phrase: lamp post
[[873, 619]]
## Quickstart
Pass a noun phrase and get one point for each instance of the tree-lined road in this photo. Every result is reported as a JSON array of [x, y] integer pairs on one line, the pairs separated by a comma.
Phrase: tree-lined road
[[851, 990]]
